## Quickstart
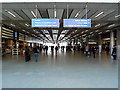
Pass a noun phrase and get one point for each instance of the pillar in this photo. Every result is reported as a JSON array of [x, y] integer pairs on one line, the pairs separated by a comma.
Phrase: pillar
[[0, 48], [100, 44], [118, 44], [118, 56], [112, 42]]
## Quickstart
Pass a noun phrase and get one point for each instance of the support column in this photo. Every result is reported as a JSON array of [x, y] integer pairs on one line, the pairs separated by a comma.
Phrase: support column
[[0, 48], [100, 44], [118, 44], [112, 41]]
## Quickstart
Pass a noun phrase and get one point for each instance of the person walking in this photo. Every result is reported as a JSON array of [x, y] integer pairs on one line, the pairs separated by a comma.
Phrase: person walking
[[56, 49], [26, 54], [87, 49], [94, 51], [46, 49], [36, 51], [114, 52]]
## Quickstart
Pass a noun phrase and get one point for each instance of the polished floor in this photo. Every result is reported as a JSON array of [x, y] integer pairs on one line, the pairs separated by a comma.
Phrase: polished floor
[[64, 70]]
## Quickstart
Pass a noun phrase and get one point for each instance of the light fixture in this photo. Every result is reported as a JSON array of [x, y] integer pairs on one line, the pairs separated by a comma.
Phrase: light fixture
[[99, 14], [117, 16], [86, 31], [27, 32], [111, 25], [75, 30], [27, 25], [84, 35], [107, 30], [12, 25], [82, 32], [97, 31], [77, 15], [23, 30], [33, 13], [100, 33], [97, 25], [10, 13], [91, 32]]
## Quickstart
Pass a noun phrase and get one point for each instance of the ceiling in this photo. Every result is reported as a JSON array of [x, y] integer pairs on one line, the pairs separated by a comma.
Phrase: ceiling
[[104, 18]]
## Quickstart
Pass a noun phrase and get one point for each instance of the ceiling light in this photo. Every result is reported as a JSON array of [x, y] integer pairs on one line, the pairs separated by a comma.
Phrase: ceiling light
[[23, 30], [91, 32], [111, 25], [82, 32], [11, 13], [26, 24], [12, 25], [86, 31], [117, 16], [97, 31], [97, 25], [84, 35], [33, 13], [99, 14], [107, 30], [77, 15], [100, 33], [27, 32], [75, 30]]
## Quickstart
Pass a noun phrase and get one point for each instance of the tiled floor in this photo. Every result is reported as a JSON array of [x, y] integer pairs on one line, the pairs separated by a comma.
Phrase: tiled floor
[[65, 70]]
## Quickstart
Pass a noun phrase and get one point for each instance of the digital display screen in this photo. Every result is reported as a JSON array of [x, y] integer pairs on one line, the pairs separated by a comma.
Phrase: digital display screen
[[77, 23], [45, 22]]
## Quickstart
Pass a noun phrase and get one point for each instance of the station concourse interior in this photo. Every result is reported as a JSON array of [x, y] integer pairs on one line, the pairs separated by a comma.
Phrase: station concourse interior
[[65, 63]]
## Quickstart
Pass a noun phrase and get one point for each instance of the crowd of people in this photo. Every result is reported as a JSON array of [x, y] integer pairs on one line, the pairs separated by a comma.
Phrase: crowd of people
[[86, 49]]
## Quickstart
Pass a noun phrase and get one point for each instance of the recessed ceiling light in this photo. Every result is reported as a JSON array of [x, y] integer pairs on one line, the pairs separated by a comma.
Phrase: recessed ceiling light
[[100, 33], [97, 25], [117, 16], [26, 24], [33, 13], [12, 25], [77, 15], [86, 31], [99, 14], [82, 32], [97, 31], [108, 31], [111, 25], [91, 32], [23, 30], [11, 13]]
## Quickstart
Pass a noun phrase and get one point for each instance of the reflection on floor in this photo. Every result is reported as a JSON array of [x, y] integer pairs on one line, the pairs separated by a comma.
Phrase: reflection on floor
[[64, 70]]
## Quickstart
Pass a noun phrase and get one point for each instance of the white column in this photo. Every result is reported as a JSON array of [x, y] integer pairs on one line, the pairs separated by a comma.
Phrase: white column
[[0, 48], [112, 42], [118, 45], [100, 45]]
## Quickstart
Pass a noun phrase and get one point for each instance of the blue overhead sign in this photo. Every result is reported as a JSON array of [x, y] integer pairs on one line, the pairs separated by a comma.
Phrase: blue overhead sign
[[45, 22], [77, 23]]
